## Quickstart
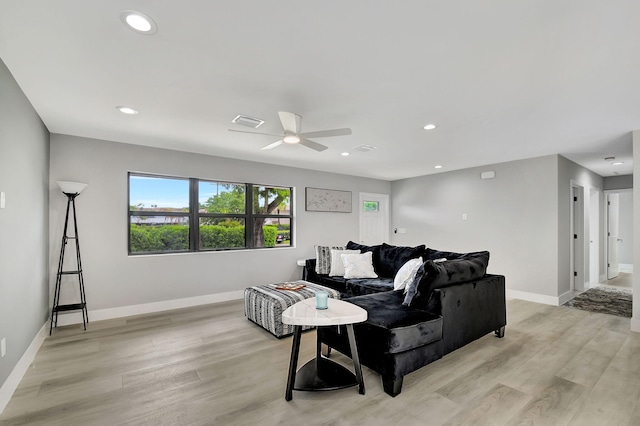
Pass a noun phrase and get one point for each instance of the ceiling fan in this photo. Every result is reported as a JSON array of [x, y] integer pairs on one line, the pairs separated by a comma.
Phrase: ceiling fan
[[291, 125]]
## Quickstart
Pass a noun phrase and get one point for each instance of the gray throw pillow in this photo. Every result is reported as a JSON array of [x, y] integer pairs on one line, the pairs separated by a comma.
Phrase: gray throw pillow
[[323, 258]]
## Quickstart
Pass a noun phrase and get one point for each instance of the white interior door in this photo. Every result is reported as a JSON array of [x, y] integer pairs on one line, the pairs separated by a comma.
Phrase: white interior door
[[613, 231], [374, 218]]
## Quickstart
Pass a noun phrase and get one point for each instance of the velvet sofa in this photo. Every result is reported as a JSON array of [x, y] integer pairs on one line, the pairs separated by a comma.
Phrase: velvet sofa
[[451, 303]]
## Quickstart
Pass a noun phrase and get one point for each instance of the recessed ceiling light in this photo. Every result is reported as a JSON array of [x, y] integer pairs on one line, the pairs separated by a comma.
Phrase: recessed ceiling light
[[617, 163], [138, 22], [127, 110], [429, 126], [437, 167], [345, 154]]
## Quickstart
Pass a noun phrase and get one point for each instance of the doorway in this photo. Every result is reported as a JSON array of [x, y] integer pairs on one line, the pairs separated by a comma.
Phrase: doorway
[[619, 238], [374, 218]]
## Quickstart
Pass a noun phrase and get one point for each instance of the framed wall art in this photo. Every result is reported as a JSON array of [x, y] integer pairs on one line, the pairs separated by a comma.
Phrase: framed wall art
[[327, 200]]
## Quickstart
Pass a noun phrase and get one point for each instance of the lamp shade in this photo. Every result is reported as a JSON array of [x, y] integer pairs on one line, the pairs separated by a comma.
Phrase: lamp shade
[[71, 187]]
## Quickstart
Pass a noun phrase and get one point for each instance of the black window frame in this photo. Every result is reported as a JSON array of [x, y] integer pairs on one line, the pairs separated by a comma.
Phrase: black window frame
[[194, 215]]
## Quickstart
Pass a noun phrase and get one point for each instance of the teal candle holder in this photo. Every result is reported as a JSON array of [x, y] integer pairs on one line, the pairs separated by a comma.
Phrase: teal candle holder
[[322, 298]]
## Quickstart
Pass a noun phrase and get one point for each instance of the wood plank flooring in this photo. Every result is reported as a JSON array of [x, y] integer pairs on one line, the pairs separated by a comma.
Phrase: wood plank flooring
[[209, 365]]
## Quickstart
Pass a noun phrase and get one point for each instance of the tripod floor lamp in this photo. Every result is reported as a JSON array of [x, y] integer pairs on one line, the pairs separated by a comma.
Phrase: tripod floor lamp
[[71, 190]]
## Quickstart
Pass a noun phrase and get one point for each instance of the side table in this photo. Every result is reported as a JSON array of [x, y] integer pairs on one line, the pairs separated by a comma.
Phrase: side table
[[322, 373]]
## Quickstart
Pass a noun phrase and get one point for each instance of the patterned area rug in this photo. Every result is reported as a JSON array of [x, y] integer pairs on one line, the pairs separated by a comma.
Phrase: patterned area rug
[[604, 301]]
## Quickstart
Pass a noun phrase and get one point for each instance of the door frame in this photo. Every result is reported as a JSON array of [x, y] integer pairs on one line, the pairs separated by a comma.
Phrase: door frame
[[577, 255], [385, 200]]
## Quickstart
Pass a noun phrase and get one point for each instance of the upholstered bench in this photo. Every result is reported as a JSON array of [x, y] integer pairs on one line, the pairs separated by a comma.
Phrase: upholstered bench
[[264, 304]]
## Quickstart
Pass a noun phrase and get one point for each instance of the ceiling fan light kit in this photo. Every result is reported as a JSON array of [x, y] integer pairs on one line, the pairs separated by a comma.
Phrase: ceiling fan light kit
[[291, 139], [291, 124]]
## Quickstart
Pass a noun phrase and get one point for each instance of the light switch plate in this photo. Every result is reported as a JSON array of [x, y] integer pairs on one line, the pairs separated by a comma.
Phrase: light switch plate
[[3, 347], [2, 200]]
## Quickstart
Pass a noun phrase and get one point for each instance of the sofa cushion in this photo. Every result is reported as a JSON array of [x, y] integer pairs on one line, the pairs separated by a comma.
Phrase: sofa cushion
[[360, 286], [391, 258], [393, 327], [355, 246], [432, 275], [433, 254]]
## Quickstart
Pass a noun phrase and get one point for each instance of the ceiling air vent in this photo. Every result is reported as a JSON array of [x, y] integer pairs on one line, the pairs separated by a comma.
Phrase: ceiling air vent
[[364, 148], [243, 120]]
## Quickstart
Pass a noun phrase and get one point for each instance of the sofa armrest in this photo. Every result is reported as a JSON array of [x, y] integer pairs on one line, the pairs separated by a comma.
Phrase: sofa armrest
[[309, 273], [472, 309]]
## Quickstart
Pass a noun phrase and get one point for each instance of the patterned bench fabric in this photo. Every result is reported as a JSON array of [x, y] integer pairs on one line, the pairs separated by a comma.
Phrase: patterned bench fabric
[[263, 304]]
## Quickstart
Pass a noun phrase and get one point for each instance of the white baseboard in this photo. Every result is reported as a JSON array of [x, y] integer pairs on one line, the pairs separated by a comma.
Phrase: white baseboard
[[626, 267], [146, 308], [540, 298], [12, 382]]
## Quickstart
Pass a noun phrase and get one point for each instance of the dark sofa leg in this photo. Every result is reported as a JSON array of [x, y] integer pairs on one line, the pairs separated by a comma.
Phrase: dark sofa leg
[[392, 387], [326, 350], [500, 332]]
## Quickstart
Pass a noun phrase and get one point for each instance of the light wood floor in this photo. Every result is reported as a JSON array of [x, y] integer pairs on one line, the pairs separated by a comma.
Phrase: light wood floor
[[624, 280], [209, 365]]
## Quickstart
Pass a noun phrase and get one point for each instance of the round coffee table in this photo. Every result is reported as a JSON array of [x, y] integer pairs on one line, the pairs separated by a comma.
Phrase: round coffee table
[[321, 373]]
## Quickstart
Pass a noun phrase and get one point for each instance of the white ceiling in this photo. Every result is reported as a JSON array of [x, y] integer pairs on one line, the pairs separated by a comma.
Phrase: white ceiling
[[502, 79]]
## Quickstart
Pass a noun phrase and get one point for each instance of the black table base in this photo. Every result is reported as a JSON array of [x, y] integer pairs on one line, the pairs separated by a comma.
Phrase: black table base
[[322, 374]]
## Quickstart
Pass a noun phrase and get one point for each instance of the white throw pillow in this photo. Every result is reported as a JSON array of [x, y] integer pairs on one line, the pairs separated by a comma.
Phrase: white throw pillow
[[337, 266], [406, 274], [358, 265]]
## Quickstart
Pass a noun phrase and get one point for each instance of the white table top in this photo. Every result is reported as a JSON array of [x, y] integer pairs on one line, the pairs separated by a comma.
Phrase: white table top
[[338, 312]]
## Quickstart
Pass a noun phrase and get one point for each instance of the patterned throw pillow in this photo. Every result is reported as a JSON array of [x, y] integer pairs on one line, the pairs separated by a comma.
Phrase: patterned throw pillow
[[406, 274], [358, 265], [337, 266], [323, 258]]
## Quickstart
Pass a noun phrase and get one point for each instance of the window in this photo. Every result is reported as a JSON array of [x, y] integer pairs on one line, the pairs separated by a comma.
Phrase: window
[[168, 214], [371, 206], [158, 214]]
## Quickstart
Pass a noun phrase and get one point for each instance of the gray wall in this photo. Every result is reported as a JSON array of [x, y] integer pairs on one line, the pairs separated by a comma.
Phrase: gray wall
[[514, 216], [24, 225], [569, 172], [635, 320], [114, 279], [522, 216], [618, 182]]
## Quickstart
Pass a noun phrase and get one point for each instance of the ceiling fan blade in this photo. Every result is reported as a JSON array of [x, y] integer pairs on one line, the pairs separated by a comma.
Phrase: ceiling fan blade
[[271, 146], [254, 133], [312, 144], [326, 133], [290, 122]]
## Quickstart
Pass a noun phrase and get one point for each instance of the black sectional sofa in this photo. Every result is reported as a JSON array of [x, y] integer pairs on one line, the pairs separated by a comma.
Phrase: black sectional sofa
[[455, 302]]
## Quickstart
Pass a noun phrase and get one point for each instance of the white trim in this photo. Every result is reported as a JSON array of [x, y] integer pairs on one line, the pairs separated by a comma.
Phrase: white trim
[[146, 308], [625, 267], [18, 372], [540, 298]]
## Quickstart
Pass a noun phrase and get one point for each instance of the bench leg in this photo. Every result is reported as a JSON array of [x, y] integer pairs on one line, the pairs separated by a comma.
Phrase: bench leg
[[392, 387], [500, 332]]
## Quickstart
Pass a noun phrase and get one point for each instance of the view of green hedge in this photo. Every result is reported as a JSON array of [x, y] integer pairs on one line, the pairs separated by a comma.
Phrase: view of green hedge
[[149, 238], [159, 238]]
